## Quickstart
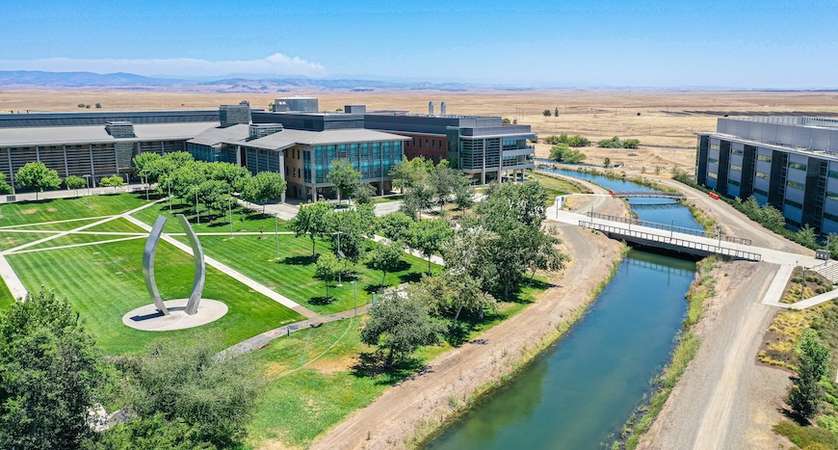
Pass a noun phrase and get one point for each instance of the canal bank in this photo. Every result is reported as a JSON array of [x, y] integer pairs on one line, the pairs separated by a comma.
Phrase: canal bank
[[406, 414], [583, 389]]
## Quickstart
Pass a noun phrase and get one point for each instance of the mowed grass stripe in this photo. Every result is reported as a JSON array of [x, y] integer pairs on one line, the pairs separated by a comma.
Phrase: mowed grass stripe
[[119, 225], [243, 219], [67, 208], [103, 282]]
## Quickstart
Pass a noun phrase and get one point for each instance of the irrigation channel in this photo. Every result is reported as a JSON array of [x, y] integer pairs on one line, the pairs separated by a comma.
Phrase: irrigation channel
[[579, 392]]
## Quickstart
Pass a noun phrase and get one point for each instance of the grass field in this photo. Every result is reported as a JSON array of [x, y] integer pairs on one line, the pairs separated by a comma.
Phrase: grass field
[[312, 382], [104, 282], [69, 208], [292, 273], [555, 186], [243, 219], [5, 296]]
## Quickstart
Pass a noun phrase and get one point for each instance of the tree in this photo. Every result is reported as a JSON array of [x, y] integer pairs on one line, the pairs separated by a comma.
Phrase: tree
[[313, 220], [74, 182], [453, 294], [631, 143], [546, 113], [386, 258], [556, 112], [395, 226], [234, 175], [349, 230], [49, 374], [411, 173], [443, 181], [364, 194], [263, 187], [113, 181], [606, 162], [429, 236], [38, 177], [463, 195], [215, 194], [153, 433], [614, 142], [5, 187], [327, 269], [346, 179], [806, 236], [148, 165], [563, 153], [398, 325], [417, 199], [806, 392], [182, 180], [212, 397]]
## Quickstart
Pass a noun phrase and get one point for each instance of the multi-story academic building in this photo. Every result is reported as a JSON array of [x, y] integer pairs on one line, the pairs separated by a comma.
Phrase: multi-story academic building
[[790, 163], [292, 139]]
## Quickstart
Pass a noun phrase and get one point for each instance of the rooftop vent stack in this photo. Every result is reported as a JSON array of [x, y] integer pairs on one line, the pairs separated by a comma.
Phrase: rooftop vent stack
[[230, 115], [431, 108], [442, 108], [120, 129]]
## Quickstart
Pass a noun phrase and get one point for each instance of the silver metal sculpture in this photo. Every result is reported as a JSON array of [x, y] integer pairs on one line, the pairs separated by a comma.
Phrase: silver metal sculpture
[[148, 266]]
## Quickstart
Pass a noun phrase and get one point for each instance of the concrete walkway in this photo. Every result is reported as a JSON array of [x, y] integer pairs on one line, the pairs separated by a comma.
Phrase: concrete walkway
[[11, 279], [411, 251], [244, 279], [774, 293]]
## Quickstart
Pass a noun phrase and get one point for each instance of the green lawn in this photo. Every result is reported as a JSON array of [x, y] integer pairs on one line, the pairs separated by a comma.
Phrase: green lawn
[[67, 208], [5, 296], [103, 282], [555, 186], [120, 224], [243, 219], [292, 274], [311, 382]]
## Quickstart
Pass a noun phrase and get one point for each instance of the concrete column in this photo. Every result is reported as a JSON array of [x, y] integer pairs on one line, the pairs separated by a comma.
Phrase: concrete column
[[314, 192], [282, 172], [37, 153], [66, 165], [92, 168]]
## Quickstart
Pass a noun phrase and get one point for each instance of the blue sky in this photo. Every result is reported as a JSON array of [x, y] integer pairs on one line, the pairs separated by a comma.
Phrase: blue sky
[[654, 43]]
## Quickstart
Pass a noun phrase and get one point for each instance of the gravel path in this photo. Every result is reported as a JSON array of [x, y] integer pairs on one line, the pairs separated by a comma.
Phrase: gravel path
[[725, 399]]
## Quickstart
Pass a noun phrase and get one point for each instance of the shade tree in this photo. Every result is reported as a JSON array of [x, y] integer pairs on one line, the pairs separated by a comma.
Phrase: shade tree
[[344, 177], [38, 177], [312, 220]]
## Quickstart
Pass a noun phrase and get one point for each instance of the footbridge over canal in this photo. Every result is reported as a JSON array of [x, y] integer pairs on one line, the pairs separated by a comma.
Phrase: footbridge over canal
[[678, 239]]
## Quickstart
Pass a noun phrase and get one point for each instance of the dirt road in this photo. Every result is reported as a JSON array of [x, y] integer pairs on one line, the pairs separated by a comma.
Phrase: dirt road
[[725, 399], [416, 407]]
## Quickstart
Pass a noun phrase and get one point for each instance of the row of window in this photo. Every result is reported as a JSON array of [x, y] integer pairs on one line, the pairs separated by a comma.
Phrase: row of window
[[797, 165]]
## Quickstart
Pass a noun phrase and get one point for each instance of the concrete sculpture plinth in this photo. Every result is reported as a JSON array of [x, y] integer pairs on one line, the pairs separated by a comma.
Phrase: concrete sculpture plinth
[[180, 313]]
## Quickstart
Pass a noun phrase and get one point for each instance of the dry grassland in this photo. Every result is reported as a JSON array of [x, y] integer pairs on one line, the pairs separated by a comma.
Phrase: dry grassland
[[664, 121]]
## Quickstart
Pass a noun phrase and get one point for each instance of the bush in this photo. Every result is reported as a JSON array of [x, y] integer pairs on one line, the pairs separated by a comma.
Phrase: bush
[[563, 153], [571, 141]]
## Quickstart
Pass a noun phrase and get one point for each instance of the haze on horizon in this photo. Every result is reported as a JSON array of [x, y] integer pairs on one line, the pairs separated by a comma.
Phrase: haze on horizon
[[641, 43]]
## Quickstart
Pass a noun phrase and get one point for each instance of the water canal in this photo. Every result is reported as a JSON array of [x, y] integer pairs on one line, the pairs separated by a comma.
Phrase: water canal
[[578, 393]]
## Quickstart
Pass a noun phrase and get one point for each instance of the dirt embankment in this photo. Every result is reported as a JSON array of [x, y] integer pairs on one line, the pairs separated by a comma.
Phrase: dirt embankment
[[411, 411], [726, 399]]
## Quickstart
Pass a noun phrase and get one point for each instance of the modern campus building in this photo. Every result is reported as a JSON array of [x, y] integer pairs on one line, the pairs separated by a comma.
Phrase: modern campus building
[[790, 163], [293, 139]]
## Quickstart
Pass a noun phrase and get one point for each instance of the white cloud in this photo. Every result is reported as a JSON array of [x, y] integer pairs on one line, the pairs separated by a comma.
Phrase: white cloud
[[275, 64]]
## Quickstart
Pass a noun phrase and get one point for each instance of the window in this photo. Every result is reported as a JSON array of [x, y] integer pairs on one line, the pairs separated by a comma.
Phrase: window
[[738, 151], [831, 217], [798, 166], [761, 192], [712, 160], [712, 175], [792, 203], [762, 157], [736, 167], [762, 175], [796, 185], [833, 174], [832, 196], [733, 182]]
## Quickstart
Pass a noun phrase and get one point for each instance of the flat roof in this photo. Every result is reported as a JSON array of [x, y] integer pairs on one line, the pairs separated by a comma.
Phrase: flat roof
[[217, 135], [93, 134], [287, 138]]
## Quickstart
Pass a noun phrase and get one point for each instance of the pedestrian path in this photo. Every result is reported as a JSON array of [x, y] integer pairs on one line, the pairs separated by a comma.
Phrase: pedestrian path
[[244, 279]]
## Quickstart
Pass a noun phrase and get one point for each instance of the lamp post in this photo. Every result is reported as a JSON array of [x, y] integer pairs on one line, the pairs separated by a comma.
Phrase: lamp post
[[197, 214], [230, 216], [276, 236], [87, 180], [340, 256]]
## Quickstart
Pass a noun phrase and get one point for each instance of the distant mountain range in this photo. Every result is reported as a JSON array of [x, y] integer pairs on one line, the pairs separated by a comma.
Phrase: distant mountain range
[[130, 81]]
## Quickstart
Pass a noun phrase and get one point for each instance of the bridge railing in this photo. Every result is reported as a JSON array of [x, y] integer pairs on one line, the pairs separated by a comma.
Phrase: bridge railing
[[668, 227], [646, 194], [674, 241]]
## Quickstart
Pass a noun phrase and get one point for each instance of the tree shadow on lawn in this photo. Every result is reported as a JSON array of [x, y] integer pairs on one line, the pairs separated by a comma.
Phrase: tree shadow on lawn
[[321, 300], [373, 365], [402, 266], [299, 260], [527, 283], [411, 277]]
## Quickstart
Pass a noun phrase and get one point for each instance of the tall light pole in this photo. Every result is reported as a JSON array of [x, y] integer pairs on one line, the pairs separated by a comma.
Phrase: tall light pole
[[230, 215], [276, 236], [197, 214]]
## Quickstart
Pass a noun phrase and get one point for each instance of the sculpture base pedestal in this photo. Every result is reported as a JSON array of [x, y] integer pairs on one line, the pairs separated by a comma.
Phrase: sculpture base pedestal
[[148, 318]]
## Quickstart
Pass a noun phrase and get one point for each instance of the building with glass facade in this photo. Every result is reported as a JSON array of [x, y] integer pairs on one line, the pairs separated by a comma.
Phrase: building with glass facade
[[790, 163]]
